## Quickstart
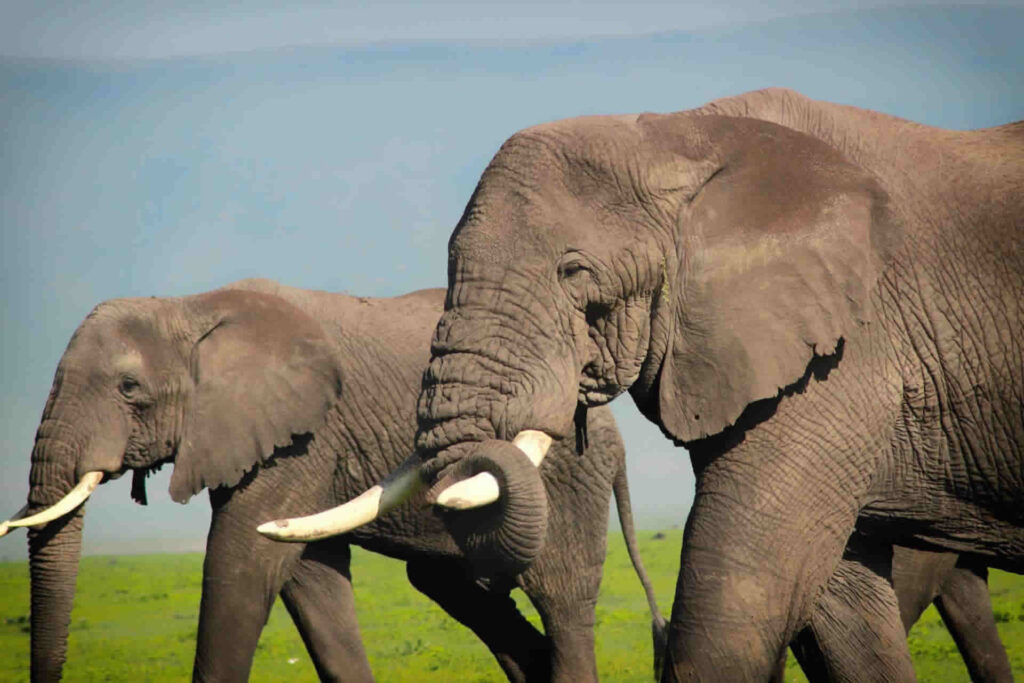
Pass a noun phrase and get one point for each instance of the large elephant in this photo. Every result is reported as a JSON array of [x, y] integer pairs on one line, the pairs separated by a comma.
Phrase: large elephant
[[823, 304], [282, 401]]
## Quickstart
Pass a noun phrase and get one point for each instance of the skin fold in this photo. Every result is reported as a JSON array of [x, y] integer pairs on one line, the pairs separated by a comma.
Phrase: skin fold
[[823, 304], [283, 401]]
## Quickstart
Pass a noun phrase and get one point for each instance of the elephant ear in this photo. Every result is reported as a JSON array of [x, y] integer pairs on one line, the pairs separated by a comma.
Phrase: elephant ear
[[263, 371], [780, 245]]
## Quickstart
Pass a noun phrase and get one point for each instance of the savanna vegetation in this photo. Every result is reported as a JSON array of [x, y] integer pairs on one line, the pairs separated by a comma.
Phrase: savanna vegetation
[[135, 619]]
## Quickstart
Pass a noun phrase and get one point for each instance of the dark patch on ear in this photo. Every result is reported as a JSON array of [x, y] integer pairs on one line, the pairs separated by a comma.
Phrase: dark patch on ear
[[702, 451], [580, 419]]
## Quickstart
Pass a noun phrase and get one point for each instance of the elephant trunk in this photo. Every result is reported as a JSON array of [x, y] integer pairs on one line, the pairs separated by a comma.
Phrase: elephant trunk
[[54, 549], [53, 560], [509, 533], [490, 387], [491, 377]]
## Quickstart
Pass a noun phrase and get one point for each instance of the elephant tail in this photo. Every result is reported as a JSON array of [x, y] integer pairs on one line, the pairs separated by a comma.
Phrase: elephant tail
[[659, 629]]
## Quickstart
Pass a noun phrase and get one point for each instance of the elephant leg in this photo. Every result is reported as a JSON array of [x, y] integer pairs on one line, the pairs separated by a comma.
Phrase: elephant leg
[[563, 587], [856, 632], [242, 575], [767, 529], [966, 608], [521, 650], [779, 672], [243, 571], [318, 595], [570, 629]]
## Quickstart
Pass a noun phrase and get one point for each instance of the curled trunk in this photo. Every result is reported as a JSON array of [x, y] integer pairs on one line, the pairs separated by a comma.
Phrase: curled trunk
[[490, 379], [496, 372], [508, 534]]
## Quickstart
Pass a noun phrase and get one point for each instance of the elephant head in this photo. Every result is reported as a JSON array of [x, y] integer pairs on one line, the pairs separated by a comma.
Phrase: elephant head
[[211, 382], [698, 261]]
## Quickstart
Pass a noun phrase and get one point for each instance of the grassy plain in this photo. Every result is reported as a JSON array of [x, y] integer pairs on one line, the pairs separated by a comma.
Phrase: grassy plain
[[135, 620]]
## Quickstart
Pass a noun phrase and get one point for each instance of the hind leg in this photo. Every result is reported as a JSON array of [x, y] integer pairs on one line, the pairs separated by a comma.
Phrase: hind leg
[[318, 595], [522, 652]]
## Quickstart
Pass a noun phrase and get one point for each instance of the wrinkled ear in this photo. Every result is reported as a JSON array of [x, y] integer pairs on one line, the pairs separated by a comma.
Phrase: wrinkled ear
[[779, 249], [263, 370]]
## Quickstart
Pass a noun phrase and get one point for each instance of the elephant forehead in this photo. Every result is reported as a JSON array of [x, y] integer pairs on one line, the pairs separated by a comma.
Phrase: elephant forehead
[[127, 360], [540, 233], [575, 154], [481, 246], [123, 335], [580, 128]]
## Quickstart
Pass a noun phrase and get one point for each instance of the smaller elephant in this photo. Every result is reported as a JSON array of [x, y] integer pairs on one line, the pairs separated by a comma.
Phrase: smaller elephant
[[282, 401]]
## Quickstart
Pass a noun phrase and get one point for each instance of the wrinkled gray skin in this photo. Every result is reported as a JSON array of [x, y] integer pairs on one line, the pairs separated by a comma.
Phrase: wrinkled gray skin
[[214, 382], [959, 589], [822, 303]]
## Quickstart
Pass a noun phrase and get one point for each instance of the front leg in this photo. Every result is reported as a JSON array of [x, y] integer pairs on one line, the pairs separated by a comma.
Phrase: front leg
[[319, 598], [244, 571], [766, 532], [523, 653], [242, 575]]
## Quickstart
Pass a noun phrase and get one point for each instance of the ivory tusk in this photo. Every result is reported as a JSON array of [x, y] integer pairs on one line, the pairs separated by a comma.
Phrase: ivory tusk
[[483, 489], [534, 443], [398, 487], [467, 494], [83, 489], [6, 526]]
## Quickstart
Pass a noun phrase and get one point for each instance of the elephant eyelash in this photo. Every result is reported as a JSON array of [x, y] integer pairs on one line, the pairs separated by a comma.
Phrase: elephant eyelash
[[568, 270], [129, 387]]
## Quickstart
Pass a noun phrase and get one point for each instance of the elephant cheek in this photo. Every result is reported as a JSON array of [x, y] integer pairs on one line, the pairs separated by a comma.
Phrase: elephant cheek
[[106, 448]]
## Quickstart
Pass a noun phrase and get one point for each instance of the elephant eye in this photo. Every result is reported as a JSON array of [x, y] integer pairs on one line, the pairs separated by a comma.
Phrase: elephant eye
[[128, 387], [568, 270], [579, 279]]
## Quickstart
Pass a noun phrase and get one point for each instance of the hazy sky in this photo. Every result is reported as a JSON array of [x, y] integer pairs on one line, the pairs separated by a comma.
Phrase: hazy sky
[[344, 161], [148, 29]]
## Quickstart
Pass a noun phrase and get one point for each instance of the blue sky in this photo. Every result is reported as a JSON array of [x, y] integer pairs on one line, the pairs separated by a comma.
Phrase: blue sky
[[170, 148]]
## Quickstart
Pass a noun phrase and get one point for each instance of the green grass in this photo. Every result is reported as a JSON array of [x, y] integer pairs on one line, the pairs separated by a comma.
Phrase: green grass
[[135, 620]]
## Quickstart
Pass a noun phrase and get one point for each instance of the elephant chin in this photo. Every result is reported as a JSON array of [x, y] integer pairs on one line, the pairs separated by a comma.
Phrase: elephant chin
[[506, 535]]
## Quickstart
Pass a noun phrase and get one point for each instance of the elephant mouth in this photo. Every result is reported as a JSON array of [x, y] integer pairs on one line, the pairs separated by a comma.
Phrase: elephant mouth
[[597, 390]]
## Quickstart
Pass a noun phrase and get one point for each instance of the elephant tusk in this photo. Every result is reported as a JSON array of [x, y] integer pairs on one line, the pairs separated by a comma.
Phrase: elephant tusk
[[475, 492], [83, 489], [483, 489], [6, 526], [398, 487], [534, 443]]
